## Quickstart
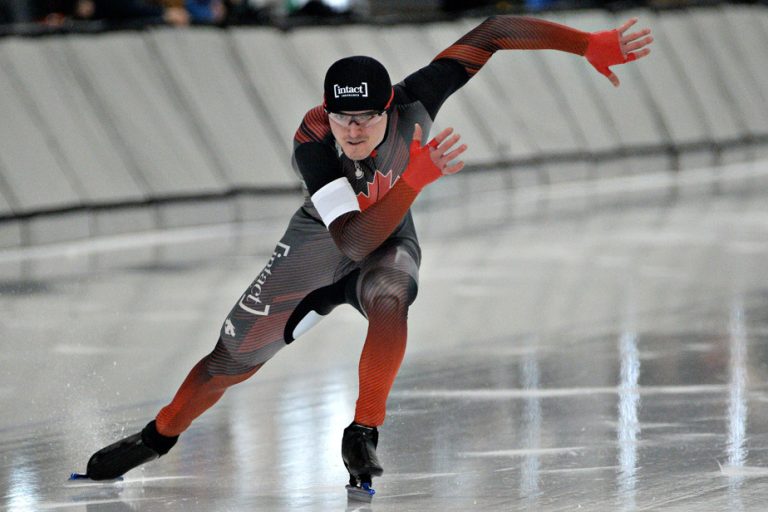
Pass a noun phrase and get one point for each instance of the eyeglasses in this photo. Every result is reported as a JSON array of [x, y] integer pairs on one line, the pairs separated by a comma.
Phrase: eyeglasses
[[363, 120]]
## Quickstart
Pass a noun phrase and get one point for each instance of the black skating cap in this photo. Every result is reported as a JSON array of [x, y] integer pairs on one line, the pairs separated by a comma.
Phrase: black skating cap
[[357, 83]]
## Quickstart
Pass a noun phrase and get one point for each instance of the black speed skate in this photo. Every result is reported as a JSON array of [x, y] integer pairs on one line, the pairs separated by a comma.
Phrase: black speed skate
[[358, 449], [113, 461]]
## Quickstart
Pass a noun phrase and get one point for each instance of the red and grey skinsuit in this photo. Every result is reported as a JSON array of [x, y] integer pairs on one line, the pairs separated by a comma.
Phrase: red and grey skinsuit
[[353, 241]]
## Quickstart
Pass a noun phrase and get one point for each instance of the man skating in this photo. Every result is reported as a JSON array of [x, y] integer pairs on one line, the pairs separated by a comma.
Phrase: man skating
[[362, 163]]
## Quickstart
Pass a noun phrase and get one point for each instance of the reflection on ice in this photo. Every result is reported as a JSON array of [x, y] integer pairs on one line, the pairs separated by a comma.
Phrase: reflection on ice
[[737, 403], [629, 425], [23, 491], [529, 481]]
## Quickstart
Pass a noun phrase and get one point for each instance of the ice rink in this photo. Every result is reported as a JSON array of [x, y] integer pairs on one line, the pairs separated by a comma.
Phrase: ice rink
[[601, 347]]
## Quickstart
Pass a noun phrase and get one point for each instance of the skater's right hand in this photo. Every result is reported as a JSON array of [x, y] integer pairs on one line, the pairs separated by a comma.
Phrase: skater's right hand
[[430, 162]]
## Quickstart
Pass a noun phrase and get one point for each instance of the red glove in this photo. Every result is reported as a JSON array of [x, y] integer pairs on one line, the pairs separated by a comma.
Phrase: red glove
[[604, 50], [421, 171]]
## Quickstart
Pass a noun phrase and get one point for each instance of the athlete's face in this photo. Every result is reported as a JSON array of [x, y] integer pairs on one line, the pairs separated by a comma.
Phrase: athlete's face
[[358, 133]]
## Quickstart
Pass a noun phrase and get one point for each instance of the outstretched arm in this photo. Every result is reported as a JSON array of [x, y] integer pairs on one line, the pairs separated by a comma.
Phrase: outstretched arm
[[602, 49]]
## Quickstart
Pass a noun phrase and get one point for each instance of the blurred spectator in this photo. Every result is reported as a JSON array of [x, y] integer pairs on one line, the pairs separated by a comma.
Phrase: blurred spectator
[[539, 5], [136, 13], [17, 11], [56, 13], [22, 11], [206, 11], [171, 12], [457, 6], [248, 12], [84, 9], [319, 8], [46, 12]]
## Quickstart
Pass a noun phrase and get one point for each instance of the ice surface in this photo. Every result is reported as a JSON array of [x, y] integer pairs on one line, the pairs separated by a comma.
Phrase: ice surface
[[594, 347]]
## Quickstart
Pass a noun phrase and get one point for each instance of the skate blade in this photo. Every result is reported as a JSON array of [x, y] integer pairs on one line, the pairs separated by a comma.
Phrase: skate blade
[[81, 479], [364, 494]]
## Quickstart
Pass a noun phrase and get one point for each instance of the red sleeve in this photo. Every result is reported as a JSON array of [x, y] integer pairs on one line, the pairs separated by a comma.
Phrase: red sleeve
[[314, 127], [474, 49], [358, 233]]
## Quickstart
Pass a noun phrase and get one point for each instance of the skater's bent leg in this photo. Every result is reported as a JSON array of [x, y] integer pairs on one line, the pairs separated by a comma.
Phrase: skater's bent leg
[[256, 329], [385, 295], [199, 391]]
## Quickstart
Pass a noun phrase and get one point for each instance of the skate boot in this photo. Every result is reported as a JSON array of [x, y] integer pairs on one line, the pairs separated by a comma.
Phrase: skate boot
[[113, 461], [358, 450]]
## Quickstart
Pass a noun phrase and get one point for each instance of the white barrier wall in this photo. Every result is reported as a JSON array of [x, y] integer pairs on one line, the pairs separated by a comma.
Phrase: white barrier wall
[[285, 92], [669, 90], [704, 83], [145, 118], [206, 73], [34, 175], [63, 109]]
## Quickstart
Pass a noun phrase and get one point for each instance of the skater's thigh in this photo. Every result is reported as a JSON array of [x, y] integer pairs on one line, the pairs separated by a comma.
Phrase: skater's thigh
[[305, 259]]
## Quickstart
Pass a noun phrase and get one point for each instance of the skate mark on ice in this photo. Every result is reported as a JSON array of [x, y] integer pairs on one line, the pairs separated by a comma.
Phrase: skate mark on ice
[[152, 479], [523, 452], [685, 436], [388, 497], [743, 471], [80, 483], [418, 476], [502, 394], [594, 469], [408, 412], [80, 503], [650, 425], [122, 482]]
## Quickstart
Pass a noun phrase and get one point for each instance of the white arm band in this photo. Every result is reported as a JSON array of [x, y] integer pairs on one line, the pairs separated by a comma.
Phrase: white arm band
[[335, 199]]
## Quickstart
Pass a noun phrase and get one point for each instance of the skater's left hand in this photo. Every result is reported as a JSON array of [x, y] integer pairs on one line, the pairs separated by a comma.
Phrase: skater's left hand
[[611, 47], [430, 162]]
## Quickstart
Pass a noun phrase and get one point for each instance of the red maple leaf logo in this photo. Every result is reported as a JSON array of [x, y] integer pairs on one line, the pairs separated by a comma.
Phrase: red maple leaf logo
[[378, 188]]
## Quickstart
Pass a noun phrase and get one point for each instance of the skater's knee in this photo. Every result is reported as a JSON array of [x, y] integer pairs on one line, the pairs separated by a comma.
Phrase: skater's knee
[[387, 291]]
